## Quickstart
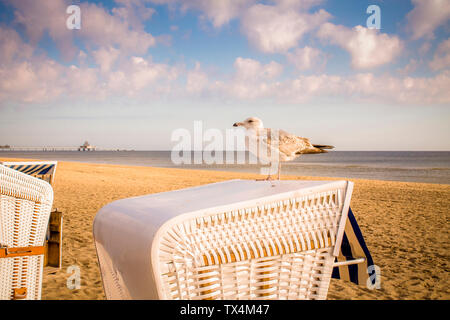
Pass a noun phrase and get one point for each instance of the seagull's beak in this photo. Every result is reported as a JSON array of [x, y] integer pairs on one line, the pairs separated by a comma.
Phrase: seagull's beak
[[237, 124]]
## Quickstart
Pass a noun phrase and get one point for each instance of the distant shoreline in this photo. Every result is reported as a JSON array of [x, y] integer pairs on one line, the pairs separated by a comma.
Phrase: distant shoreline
[[326, 170], [70, 149]]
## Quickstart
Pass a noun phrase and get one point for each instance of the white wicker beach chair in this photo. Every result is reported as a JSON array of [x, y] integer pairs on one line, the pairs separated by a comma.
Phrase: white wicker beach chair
[[25, 205], [238, 239], [45, 170]]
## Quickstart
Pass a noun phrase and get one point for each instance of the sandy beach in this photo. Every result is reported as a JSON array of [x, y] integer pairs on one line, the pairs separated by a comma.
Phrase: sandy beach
[[405, 226]]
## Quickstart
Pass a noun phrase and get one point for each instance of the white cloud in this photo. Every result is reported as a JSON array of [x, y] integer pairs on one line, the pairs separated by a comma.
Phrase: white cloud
[[29, 82], [426, 16], [441, 59], [24, 77], [100, 29], [43, 80], [118, 44], [424, 48], [134, 12], [218, 12], [306, 58], [12, 46], [367, 47], [197, 80], [305, 88], [221, 12], [277, 29], [249, 83], [249, 69], [105, 58], [40, 80], [409, 68], [35, 79], [39, 17], [252, 79], [81, 82], [140, 76], [19, 82], [297, 4], [28, 78], [123, 29], [366, 87]]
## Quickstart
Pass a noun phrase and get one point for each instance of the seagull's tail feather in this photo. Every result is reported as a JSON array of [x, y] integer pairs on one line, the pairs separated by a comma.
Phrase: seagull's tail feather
[[321, 146], [316, 148]]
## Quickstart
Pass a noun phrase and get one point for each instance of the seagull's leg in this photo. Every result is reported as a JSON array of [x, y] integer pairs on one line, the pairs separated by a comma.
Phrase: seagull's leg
[[269, 177], [279, 169]]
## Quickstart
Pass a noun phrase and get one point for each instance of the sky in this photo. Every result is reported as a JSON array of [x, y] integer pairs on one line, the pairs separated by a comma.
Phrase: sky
[[136, 71]]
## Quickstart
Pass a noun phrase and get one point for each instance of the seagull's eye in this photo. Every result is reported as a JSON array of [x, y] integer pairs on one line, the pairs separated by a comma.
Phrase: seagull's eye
[[250, 121]]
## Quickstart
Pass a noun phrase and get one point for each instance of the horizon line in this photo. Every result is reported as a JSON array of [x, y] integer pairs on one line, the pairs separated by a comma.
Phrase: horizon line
[[201, 150]]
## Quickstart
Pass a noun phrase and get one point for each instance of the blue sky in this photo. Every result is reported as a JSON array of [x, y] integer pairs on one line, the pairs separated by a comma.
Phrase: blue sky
[[138, 70]]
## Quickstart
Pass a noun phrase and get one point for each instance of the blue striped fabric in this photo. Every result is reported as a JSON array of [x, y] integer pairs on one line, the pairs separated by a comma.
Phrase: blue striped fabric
[[42, 169], [353, 247], [36, 169]]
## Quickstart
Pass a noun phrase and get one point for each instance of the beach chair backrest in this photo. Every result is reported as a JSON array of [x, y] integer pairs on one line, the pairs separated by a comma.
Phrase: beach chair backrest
[[25, 205], [44, 170], [232, 240]]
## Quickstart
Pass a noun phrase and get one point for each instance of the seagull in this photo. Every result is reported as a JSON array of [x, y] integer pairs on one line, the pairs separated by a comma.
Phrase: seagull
[[289, 148]]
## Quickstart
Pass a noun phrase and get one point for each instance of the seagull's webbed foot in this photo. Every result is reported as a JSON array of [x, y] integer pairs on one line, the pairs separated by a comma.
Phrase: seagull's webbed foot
[[269, 178]]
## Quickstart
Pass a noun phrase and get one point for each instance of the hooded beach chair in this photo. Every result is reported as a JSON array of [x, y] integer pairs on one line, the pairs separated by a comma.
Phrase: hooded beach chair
[[25, 205], [45, 170], [238, 239]]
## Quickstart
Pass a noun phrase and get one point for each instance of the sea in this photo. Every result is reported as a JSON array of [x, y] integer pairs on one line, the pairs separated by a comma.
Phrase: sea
[[409, 166]]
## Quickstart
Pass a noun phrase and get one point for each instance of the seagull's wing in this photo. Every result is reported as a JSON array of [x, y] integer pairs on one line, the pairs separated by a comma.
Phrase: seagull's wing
[[291, 144]]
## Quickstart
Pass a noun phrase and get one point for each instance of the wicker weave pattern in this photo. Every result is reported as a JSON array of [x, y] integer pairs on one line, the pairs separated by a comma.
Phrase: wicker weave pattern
[[113, 285], [25, 205], [279, 250]]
